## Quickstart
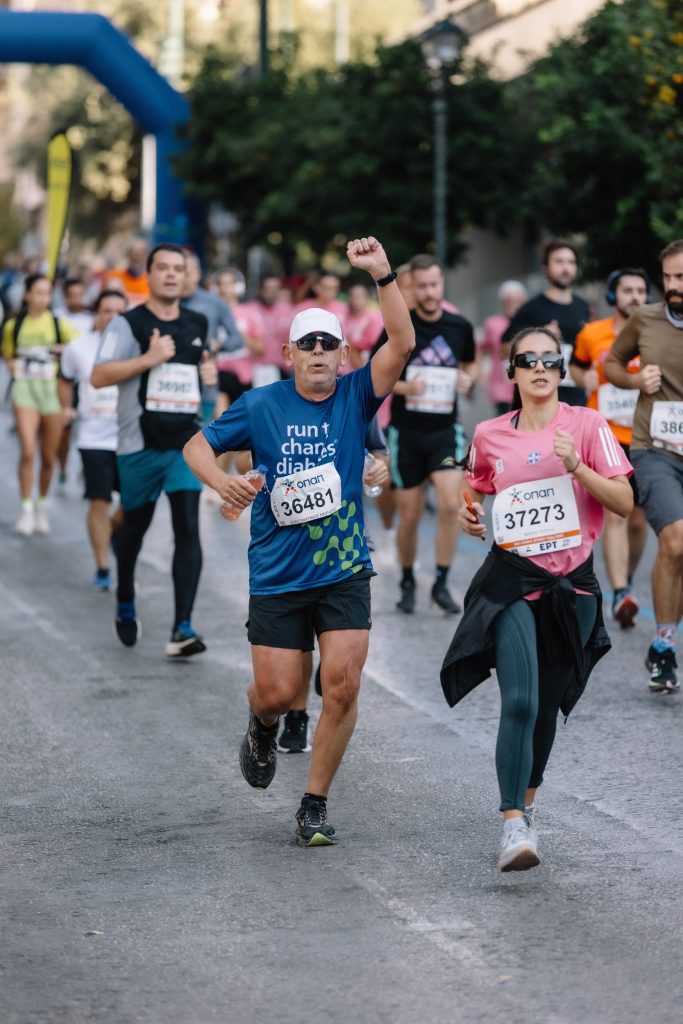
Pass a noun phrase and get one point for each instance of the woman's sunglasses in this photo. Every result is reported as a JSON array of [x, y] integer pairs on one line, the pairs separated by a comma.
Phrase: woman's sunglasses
[[529, 360], [309, 341]]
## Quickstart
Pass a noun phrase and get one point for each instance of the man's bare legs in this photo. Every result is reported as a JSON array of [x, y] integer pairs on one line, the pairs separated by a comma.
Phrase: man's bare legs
[[447, 489], [342, 657], [667, 574], [623, 541]]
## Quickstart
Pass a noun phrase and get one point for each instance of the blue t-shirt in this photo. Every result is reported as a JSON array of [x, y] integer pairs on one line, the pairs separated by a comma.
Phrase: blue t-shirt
[[287, 434]]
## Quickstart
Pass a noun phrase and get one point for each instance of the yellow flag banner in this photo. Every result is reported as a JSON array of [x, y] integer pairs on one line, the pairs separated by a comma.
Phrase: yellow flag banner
[[59, 169]]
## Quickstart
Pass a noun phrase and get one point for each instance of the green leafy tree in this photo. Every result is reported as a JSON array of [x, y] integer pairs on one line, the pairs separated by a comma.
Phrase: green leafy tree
[[306, 159], [601, 117]]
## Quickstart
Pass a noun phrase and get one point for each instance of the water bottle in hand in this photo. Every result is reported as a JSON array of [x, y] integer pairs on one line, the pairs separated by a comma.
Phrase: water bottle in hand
[[372, 491], [257, 478]]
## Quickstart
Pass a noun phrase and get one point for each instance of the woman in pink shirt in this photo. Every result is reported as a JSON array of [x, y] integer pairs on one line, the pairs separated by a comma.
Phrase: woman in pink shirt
[[534, 608]]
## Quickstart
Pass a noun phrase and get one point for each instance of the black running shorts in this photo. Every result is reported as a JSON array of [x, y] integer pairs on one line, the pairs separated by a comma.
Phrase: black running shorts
[[415, 454], [291, 620], [100, 473], [230, 384], [626, 448]]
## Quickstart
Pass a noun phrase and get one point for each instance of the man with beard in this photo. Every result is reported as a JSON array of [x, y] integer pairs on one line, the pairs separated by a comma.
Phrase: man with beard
[[426, 442], [623, 539], [557, 308], [655, 333]]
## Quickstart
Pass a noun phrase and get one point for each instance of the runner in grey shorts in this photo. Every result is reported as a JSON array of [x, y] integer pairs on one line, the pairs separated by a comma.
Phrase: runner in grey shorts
[[654, 333], [660, 487]]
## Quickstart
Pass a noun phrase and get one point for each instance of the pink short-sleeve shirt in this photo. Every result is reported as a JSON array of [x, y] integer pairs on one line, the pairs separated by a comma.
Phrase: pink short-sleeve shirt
[[502, 456]]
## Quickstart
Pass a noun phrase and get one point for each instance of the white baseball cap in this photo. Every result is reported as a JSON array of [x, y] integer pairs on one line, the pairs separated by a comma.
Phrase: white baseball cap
[[315, 321]]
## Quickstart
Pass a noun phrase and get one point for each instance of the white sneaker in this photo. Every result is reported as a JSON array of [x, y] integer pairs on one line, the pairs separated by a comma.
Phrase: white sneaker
[[530, 819], [25, 523], [518, 850], [41, 523]]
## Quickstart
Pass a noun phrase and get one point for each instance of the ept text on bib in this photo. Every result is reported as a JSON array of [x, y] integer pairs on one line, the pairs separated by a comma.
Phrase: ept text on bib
[[538, 517]]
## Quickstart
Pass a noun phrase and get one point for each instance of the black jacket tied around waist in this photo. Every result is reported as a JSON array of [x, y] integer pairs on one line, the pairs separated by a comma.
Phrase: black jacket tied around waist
[[503, 579]]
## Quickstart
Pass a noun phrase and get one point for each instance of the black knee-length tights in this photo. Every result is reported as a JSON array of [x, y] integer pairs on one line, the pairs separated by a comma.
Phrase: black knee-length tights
[[187, 557], [530, 700]]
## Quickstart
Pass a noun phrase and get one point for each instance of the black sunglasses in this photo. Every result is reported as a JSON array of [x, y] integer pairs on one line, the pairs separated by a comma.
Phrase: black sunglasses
[[309, 341], [529, 360]]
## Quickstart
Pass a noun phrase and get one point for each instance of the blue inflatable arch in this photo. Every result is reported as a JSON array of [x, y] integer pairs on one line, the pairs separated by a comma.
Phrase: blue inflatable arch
[[91, 41]]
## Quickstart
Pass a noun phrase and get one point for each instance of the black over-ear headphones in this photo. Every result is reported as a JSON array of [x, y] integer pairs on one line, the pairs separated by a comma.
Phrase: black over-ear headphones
[[511, 370], [615, 277]]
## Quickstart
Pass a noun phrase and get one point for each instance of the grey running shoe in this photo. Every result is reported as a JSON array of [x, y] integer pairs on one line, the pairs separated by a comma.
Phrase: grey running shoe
[[294, 735], [258, 753], [312, 826], [662, 665], [530, 819], [517, 849], [406, 602]]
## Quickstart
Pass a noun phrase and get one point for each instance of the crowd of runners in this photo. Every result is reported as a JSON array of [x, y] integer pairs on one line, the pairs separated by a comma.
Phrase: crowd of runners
[[301, 405]]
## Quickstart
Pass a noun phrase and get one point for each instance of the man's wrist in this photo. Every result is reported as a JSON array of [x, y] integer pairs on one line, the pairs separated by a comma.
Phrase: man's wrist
[[380, 272]]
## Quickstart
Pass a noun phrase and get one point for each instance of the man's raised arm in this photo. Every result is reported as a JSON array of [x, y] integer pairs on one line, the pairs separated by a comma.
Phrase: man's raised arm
[[388, 363]]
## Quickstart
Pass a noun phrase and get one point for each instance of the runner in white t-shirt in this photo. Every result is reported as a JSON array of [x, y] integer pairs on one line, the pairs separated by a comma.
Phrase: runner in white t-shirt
[[97, 429], [534, 609]]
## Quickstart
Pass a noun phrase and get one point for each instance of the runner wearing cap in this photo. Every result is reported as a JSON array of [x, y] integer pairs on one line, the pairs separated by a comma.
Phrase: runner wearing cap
[[623, 540], [533, 610], [309, 564], [655, 334]]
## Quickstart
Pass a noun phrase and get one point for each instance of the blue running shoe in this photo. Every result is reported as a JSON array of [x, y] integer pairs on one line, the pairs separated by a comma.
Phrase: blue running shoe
[[184, 642], [102, 580], [127, 627]]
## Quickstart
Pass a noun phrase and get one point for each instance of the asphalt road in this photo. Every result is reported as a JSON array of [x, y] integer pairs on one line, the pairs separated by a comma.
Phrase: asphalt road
[[141, 880]]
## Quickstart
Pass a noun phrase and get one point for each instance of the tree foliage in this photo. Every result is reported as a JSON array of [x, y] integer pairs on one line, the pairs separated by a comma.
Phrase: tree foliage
[[309, 159], [602, 116]]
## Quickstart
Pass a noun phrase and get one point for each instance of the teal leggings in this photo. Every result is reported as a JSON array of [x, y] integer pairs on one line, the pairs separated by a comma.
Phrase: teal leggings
[[529, 704]]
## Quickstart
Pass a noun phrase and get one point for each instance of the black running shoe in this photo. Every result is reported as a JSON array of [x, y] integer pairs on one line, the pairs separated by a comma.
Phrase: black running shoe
[[441, 597], [184, 642], [127, 626], [406, 602], [312, 826], [258, 753], [294, 736], [661, 666]]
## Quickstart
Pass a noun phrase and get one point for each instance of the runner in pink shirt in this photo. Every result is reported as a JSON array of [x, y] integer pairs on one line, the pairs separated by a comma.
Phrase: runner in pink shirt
[[511, 295], [325, 296], [276, 316], [534, 609], [363, 325]]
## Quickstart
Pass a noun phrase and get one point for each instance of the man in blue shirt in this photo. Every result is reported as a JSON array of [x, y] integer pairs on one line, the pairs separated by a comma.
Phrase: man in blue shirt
[[309, 567]]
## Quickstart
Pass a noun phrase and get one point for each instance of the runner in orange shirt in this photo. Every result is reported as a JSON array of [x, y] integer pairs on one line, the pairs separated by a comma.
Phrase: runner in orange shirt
[[623, 539]]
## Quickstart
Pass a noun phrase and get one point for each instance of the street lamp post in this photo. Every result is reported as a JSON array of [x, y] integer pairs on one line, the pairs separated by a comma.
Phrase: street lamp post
[[441, 45], [263, 36]]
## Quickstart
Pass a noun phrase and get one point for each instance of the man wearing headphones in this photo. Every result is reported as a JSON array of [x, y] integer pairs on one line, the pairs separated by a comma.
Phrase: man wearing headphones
[[623, 539]]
